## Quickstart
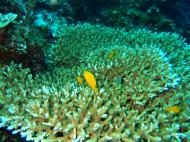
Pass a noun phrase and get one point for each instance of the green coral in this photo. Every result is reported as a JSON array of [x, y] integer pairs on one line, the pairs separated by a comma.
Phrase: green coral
[[139, 70], [75, 42], [147, 74], [6, 19]]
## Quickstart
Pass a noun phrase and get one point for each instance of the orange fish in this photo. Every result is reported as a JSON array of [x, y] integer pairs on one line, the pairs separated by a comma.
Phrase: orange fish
[[90, 79], [174, 109], [112, 54], [79, 79]]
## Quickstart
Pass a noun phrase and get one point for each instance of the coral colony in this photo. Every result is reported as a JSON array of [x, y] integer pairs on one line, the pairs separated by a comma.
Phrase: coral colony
[[90, 82]]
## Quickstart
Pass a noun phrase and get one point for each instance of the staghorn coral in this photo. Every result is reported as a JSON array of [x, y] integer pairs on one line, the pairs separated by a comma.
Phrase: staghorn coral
[[147, 74], [75, 42], [136, 70]]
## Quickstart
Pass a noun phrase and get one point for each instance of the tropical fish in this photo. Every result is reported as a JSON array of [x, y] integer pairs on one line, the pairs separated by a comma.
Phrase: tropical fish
[[174, 109], [89, 77], [79, 79], [112, 54]]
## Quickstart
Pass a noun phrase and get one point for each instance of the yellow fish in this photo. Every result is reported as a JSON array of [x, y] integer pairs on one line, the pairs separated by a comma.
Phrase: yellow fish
[[174, 109], [112, 54], [79, 79], [89, 77]]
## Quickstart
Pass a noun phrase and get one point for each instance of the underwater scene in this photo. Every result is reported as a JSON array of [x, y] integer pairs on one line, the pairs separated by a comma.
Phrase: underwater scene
[[94, 70]]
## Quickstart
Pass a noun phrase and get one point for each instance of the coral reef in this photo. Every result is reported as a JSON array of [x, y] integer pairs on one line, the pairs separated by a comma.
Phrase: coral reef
[[161, 15], [6, 19], [100, 84], [74, 43], [139, 76]]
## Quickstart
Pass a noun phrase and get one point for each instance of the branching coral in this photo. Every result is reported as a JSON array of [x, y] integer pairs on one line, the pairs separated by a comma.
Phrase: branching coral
[[139, 75], [75, 42], [136, 70]]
